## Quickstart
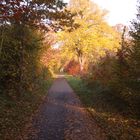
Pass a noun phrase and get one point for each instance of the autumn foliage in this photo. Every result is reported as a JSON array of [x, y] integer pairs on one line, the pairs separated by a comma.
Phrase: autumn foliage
[[72, 68], [88, 47]]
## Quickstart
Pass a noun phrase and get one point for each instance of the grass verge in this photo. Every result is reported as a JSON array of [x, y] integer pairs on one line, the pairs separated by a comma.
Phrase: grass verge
[[109, 112]]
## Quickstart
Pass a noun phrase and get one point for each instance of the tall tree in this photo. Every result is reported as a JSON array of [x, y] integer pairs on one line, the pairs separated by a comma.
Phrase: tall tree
[[22, 26], [93, 37]]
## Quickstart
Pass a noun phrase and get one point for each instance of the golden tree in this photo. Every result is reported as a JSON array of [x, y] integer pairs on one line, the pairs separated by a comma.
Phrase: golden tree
[[93, 37]]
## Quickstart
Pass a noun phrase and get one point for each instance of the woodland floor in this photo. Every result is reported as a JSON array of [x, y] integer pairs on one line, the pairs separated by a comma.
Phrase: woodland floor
[[62, 117]]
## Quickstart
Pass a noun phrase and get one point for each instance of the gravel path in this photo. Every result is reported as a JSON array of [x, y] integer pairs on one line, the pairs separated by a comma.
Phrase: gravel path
[[62, 117]]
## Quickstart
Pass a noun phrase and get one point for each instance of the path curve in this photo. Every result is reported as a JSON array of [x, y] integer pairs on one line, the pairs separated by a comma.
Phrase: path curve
[[62, 117]]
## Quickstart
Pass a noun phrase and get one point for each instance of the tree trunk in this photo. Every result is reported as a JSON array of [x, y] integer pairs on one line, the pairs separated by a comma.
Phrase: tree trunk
[[81, 62]]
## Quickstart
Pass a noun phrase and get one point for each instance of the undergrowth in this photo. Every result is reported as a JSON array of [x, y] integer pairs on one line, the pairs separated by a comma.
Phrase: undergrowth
[[15, 114]]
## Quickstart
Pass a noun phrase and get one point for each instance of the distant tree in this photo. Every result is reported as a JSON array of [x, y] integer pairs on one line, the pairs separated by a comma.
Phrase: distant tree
[[72, 68]]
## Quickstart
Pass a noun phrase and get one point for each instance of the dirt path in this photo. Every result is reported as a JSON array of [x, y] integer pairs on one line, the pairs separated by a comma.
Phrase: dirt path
[[62, 117]]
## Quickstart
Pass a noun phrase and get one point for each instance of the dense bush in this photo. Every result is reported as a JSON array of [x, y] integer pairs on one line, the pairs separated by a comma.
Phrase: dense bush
[[72, 68], [19, 59], [116, 78]]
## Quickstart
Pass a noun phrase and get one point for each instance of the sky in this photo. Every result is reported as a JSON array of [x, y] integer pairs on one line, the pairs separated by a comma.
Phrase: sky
[[120, 11]]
